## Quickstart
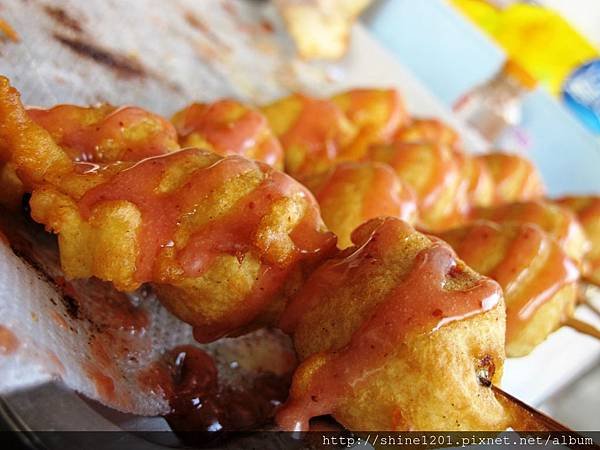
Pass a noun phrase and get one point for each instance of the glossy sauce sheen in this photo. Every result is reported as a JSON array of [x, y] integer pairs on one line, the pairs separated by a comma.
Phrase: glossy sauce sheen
[[384, 196], [523, 298], [418, 304], [97, 134], [442, 174], [362, 102], [189, 380], [233, 233], [316, 131], [231, 136]]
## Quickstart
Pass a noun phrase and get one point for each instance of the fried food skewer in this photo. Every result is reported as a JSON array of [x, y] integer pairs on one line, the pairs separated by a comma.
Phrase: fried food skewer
[[583, 327], [372, 321], [538, 278], [224, 240]]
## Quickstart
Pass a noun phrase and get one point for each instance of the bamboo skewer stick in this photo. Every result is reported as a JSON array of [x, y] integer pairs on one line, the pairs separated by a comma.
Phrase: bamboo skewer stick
[[526, 417], [583, 327]]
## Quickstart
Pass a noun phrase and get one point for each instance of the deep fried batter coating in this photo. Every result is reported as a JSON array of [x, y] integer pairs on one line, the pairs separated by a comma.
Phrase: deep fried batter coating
[[434, 174], [396, 333], [587, 208], [312, 131], [538, 278], [352, 193], [515, 177], [221, 238], [376, 113], [99, 134], [104, 134], [431, 131], [557, 221], [228, 127], [477, 182]]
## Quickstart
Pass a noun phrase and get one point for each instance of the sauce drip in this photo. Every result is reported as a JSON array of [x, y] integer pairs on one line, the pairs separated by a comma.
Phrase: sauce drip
[[9, 343], [189, 380], [233, 233], [524, 295], [417, 304]]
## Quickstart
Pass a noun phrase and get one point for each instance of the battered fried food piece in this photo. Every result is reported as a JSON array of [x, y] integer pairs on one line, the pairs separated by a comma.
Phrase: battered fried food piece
[[477, 182], [228, 127], [434, 174], [312, 132], [352, 193], [557, 221], [105, 133], [321, 28], [222, 239], [538, 277], [431, 131], [376, 113], [587, 208], [515, 177], [99, 134], [378, 325]]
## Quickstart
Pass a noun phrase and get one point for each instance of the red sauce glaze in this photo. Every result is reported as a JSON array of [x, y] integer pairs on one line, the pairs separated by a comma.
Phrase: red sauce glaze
[[385, 194], [443, 173], [523, 299], [515, 177], [362, 101], [189, 379], [247, 135], [430, 131], [560, 223], [101, 134], [234, 233], [9, 343], [417, 304], [316, 131]]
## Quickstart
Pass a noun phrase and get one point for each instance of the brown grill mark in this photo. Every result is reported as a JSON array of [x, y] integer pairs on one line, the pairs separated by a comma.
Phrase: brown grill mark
[[63, 18], [123, 65]]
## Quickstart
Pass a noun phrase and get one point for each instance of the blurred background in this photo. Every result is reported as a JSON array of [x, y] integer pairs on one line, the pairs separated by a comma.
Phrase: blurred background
[[546, 101], [526, 76]]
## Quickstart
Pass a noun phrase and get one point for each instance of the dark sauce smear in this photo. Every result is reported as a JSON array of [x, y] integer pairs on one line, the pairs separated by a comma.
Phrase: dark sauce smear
[[203, 410]]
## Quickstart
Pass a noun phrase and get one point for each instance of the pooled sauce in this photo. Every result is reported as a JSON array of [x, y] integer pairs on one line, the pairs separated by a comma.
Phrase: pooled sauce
[[199, 403], [524, 295], [417, 304], [9, 343], [232, 233], [107, 134], [229, 136]]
